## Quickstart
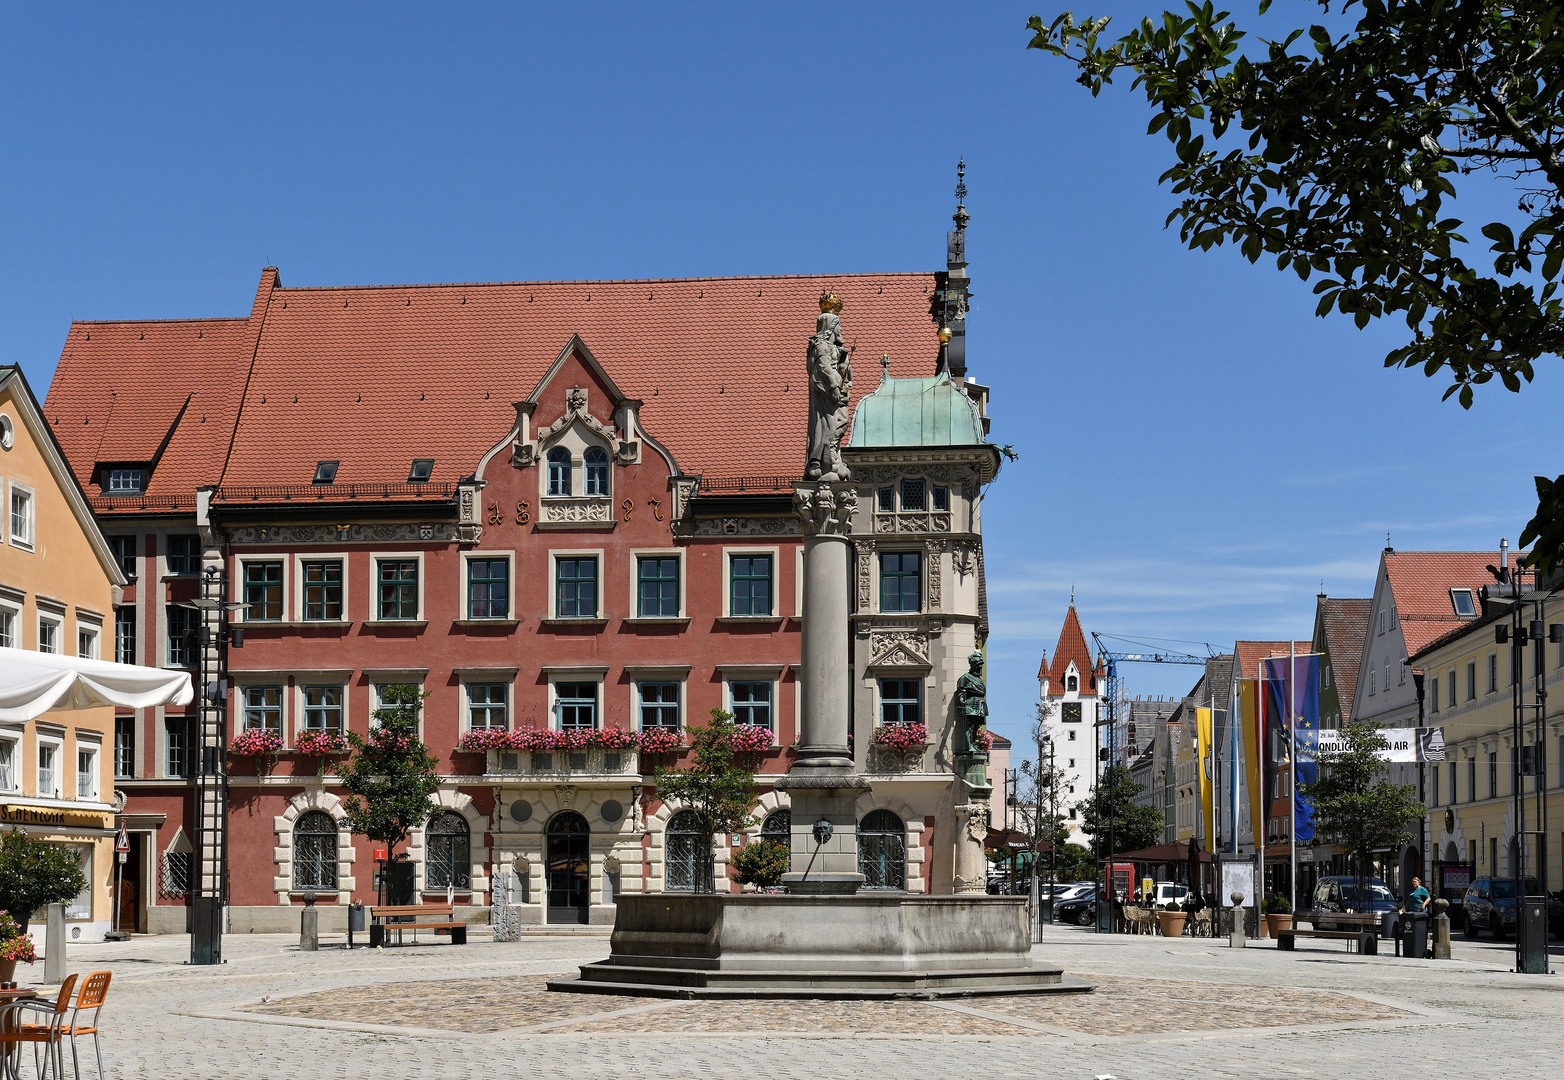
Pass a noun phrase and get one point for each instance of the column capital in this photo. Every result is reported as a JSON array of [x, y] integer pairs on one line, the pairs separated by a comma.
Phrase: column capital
[[826, 508]]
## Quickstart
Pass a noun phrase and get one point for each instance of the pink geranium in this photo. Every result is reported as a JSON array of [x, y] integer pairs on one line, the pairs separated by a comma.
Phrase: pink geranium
[[616, 739], [320, 744], [660, 740], [479, 740], [751, 738], [902, 737], [255, 743]]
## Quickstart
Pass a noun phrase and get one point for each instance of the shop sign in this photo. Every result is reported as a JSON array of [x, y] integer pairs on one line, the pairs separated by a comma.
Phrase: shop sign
[[46, 816]]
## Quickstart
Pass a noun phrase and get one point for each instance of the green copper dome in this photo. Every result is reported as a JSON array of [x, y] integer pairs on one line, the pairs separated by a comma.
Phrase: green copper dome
[[916, 412]]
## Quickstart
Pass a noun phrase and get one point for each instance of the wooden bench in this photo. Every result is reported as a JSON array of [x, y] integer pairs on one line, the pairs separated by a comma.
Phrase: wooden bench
[[1367, 936], [415, 917]]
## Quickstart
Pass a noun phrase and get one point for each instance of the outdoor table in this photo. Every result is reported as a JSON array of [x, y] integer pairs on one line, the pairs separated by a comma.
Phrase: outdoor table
[[11, 1054]]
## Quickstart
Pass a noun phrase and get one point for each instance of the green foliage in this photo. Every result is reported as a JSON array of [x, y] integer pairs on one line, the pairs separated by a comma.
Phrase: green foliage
[[36, 873], [390, 775], [1544, 533], [716, 785], [1112, 808], [761, 863], [1342, 150], [1171, 906], [1355, 807]]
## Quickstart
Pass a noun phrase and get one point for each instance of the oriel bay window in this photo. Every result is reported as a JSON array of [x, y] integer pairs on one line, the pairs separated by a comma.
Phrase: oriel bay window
[[262, 591], [901, 581], [657, 587], [749, 585], [323, 591], [901, 701], [575, 583], [323, 708], [751, 702], [488, 588], [398, 584], [262, 709], [576, 705]]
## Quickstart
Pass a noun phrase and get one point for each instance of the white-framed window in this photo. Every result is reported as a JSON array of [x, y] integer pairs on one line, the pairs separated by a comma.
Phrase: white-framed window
[[125, 481], [87, 635], [576, 580], [10, 764], [901, 701], [320, 587], [377, 690], [87, 773], [324, 707], [397, 588], [595, 465], [559, 472], [658, 704], [488, 585], [10, 624], [657, 583], [488, 703], [753, 700], [577, 701], [21, 515], [261, 708], [261, 588], [50, 628], [49, 751], [749, 586], [1381, 620]]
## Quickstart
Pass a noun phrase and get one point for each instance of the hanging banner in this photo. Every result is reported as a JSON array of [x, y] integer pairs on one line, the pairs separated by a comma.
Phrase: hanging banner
[[1251, 726], [1293, 683], [1407, 745], [1205, 756]]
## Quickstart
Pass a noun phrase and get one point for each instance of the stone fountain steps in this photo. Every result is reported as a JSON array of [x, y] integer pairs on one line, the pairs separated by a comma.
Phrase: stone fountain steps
[[607, 977]]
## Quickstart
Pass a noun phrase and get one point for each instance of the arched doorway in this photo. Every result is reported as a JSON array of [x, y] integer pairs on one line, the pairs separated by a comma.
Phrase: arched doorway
[[686, 870], [568, 870], [882, 851]]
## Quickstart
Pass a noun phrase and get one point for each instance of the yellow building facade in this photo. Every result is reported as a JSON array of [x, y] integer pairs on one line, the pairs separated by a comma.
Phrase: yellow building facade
[[58, 587], [1468, 692]]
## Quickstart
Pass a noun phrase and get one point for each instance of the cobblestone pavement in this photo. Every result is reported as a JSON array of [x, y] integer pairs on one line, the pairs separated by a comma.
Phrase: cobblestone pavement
[[1162, 1009]]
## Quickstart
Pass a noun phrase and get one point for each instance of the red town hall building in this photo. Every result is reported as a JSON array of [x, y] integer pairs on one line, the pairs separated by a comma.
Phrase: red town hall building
[[556, 507]]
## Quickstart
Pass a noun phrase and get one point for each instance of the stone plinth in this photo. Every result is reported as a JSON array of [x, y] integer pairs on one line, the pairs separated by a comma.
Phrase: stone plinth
[[869, 945], [823, 863]]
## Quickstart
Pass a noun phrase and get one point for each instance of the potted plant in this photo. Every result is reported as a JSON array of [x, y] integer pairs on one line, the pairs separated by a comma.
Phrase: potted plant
[[1278, 914], [15, 947], [1171, 918], [760, 864], [262, 744]]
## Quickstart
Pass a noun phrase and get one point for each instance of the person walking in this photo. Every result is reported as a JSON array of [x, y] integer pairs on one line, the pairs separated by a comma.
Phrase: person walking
[[1417, 899]]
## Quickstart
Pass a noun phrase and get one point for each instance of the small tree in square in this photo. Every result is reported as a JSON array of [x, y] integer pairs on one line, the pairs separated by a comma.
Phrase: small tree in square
[[390, 774], [718, 786], [35, 873]]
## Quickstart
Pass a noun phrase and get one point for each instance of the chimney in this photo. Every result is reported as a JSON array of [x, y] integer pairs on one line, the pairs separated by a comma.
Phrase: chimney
[[1504, 553]]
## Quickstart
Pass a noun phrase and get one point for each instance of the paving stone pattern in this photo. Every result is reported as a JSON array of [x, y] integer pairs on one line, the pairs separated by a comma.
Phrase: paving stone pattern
[[1162, 1009]]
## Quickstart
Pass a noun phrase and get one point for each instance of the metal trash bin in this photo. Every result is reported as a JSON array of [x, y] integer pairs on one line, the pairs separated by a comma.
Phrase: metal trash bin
[[355, 920], [1388, 921], [1414, 935]]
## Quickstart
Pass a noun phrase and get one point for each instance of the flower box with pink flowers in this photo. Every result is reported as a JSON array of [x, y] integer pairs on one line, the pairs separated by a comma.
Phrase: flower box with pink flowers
[[320, 744], [902, 737]]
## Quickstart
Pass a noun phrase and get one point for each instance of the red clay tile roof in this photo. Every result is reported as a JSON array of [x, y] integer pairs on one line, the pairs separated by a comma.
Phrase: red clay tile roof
[[1250, 653], [1420, 582], [376, 376], [1345, 623], [1072, 648]]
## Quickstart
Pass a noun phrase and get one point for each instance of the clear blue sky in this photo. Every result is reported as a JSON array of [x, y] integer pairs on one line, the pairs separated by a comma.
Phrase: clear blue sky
[[1199, 453]]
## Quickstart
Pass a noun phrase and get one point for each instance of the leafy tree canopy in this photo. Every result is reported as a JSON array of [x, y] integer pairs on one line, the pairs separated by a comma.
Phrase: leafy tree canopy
[[390, 774], [1355, 806], [1337, 152], [718, 785], [761, 863], [1111, 807], [35, 873]]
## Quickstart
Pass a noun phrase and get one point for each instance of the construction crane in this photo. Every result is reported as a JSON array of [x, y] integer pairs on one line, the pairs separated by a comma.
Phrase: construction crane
[[1152, 655]]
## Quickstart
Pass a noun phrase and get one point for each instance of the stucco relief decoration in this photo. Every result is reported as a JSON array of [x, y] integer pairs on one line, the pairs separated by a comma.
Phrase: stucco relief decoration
[[936, 574], [963, 560], [577, 511], [530, 452], [328, 534], [865, 577], [826, 509], [745, 527], [898, 648]]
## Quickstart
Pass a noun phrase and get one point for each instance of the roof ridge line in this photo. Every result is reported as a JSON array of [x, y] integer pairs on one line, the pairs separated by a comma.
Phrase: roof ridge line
[[612, 281]]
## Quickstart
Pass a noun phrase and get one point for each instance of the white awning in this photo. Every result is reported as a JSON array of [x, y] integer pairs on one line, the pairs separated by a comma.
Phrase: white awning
[[32, 683]]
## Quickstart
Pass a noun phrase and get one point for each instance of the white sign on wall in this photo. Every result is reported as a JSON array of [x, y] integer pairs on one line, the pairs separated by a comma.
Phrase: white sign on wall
[[1406, 744]]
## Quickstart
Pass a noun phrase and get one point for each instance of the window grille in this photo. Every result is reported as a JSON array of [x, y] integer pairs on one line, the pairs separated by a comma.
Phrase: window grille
[[940, 498], [315, 851], [882, 851], [912, 494], [885, 500], [177, 872], [778, 828], [688, 869], [448, 843]]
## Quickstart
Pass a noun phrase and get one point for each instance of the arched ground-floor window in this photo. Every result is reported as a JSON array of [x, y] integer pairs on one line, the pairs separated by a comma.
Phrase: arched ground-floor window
[[882, 851]]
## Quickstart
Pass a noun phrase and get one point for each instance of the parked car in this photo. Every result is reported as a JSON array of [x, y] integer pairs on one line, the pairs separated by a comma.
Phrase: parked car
[[1081, 910], [1490, 904], [1072, 890], [1341, 894], [1168, 892]]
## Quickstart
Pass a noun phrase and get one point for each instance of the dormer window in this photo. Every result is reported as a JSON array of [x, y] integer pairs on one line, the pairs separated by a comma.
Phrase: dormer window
[[126, 481], [1465, 606], [596, 461], [421, 471], [325, 472], [559, 471]]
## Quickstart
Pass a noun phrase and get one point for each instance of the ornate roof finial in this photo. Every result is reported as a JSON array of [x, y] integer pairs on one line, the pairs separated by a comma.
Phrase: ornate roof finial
[[961, 217], [1072, 595]]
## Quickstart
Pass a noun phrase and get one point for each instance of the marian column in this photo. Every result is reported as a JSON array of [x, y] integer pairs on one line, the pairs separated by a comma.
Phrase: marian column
[[821, 784]]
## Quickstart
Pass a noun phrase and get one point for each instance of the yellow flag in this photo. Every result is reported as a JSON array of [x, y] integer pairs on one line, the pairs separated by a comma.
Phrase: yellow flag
[[1205, 761], [1250, 722]]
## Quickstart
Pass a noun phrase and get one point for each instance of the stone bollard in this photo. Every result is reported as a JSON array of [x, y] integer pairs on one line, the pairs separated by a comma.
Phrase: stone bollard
[[54, 945], [1236, 939], [309, 925], [1441, 929]]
